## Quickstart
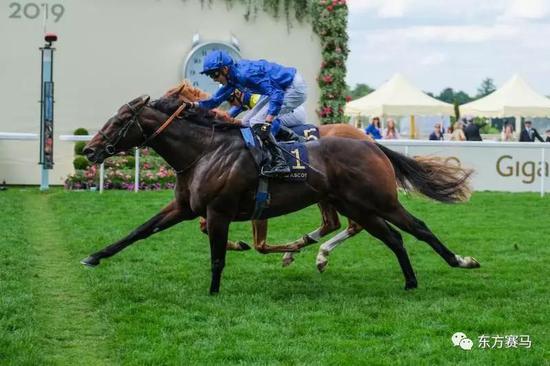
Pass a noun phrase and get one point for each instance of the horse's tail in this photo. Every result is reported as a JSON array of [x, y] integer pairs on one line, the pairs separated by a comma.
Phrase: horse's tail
[[430, 176]]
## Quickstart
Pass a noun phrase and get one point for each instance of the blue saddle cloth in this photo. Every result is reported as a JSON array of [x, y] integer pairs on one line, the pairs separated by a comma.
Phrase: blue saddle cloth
[[295, 154], [297, 160], [309, 132]]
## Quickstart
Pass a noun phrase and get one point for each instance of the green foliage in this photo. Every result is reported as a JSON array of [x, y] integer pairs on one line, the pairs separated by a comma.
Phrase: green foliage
[[80, 131], [448, 95], [330, 22], [359, 91], [120, 173], [130, 162], [80, 162], [78, 147], [487, 87]]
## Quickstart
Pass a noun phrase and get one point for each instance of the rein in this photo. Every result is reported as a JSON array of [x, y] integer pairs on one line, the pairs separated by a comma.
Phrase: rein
[[163, 126]]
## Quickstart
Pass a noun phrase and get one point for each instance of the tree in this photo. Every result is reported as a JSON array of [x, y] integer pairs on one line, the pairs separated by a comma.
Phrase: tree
[[456, 98], [447, 95], [359, 91], [487, 87]]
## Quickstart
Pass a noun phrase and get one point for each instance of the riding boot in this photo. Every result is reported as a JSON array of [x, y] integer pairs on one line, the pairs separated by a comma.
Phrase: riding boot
[[277, 165], [286, 134]]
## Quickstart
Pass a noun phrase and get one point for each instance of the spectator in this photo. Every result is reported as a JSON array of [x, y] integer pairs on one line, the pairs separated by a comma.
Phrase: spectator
[[390, 132], [437, 133], [547, 133], [529, 133], [373, 129], [458, 132], [507, 133], [472, 131]]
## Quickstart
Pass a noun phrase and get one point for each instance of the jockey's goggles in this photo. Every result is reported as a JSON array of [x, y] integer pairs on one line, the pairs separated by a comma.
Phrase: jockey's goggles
[[214, 74]]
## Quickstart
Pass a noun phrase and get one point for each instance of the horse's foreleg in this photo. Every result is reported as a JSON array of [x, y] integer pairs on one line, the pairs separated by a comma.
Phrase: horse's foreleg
[[218, 227], [231, 245], [169, 216], [330, 223], [327, 247]]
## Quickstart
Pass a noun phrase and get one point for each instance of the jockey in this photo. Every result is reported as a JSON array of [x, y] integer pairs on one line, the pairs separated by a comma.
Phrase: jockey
[[282, 87], [281, 127]]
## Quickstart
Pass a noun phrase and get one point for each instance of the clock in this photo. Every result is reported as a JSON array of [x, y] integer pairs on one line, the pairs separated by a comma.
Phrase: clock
[[193, 64]]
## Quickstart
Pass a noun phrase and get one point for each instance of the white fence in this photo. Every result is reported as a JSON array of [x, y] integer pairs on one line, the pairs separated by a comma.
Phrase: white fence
[[498, 166]]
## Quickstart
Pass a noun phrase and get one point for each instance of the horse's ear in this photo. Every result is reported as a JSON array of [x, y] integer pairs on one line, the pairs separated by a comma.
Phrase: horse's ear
[[145, 99]]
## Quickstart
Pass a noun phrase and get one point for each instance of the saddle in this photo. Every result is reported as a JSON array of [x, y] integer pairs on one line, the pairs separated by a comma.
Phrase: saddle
[[294, 152], [296, 157]]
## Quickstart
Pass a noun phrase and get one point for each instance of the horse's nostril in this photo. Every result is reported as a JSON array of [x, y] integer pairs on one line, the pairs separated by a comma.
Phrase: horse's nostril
[[87, 151]]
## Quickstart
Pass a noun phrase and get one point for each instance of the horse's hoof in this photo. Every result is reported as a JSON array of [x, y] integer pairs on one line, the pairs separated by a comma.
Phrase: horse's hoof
[[467, 262], [472, 262], [243, 246], [287, 259], [321, 266], [411, 285], [90, 261], [322, 260]]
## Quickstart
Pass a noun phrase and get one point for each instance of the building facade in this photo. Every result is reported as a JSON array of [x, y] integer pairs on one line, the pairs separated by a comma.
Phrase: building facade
[[110, 52]]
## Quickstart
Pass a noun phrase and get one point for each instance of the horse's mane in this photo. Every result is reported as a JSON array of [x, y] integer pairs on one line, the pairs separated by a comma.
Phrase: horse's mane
[[204, 117], [185, 92]]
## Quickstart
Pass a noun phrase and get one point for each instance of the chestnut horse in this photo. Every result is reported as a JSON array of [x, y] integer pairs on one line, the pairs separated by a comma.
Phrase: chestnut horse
[[185, 92], [217, 179]]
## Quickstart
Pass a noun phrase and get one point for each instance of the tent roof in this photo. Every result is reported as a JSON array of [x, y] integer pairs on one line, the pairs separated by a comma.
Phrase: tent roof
[[514, 98], [397, 97]]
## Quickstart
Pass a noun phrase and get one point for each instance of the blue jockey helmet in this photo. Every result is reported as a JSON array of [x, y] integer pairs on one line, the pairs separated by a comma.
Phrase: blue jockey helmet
[[215, 60]]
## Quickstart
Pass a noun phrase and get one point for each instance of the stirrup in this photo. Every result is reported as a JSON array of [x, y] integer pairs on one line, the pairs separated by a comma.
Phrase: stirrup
[[271, 172]]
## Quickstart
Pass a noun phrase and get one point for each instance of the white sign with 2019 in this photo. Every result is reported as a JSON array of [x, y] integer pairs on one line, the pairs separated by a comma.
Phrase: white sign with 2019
[[30, 10]]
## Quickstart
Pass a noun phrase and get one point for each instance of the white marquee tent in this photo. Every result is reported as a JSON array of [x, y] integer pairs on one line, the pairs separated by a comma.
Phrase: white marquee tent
[[398, 97], [515, 98]]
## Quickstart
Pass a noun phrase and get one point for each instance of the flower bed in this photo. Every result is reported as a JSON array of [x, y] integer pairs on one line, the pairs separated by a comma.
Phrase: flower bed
[[119, 174]]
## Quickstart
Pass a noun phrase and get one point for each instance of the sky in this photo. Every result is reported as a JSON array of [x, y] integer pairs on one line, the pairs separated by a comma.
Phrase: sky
[[441, 43]]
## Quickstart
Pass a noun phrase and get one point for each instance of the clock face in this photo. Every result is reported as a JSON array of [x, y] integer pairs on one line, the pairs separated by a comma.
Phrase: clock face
[[193, 65]]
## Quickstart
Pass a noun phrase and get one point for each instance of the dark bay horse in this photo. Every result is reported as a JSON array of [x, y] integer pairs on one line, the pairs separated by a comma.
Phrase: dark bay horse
[[217, 178], [186, 92]]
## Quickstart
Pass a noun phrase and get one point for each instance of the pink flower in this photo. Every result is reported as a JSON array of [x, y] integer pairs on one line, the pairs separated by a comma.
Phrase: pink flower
[[327, 79]]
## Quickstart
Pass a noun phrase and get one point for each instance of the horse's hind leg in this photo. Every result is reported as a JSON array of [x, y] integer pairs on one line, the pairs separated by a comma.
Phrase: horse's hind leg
[[330, 223], [328, 246], [406, 221], [379, 228], [169, 216]]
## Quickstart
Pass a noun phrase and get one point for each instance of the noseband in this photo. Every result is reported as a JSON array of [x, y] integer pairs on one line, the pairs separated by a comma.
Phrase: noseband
[[110, 145]]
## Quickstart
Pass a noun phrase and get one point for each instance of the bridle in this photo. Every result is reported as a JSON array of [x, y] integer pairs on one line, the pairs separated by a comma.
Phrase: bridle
[[135, 120], [110, 145]]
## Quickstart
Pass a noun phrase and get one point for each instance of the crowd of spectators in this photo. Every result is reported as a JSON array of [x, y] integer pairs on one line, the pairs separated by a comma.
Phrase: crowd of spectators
[[463, 130]]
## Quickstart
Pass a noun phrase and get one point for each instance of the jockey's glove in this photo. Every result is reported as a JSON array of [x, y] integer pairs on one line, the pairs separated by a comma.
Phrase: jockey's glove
[[191, 105]]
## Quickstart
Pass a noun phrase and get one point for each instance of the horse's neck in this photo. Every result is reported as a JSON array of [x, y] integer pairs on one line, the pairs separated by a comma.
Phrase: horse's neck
[[183, 147]]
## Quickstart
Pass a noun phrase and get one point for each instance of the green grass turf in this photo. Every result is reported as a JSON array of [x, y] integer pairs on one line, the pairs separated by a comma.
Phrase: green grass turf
[[149, 304]]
